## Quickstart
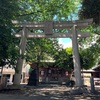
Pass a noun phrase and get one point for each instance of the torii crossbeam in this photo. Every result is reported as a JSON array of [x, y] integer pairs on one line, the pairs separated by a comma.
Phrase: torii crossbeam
[[48, 27]]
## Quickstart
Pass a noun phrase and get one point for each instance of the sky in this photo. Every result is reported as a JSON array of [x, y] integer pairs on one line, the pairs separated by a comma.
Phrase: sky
[[66, 42]]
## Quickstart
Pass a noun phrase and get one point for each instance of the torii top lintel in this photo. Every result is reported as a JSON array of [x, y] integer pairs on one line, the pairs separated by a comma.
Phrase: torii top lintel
[[55, 24]]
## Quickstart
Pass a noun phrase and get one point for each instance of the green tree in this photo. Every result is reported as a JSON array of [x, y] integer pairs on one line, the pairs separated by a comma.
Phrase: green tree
[[63, 58], [91, 46], [40, 10], [41, 52], [87, 58], [8, 12], [69, 50], [90, 9], [45, 48]]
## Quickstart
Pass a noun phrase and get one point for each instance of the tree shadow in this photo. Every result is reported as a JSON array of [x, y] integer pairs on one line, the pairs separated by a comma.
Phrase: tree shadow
[[51, 92]]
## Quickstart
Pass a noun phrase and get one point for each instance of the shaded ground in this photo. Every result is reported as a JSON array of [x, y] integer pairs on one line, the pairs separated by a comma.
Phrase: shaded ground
[[47, 92]]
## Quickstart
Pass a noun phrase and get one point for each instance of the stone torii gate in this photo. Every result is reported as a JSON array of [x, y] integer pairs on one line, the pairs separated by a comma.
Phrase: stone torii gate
[[48, 27]]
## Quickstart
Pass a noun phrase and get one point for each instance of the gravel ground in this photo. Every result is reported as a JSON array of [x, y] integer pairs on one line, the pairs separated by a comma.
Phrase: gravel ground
[[47, 92]]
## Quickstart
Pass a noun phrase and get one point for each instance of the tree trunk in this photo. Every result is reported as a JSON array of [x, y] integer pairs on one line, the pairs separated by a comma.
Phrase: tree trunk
[[37, 72], [33, 78], [1, 75]]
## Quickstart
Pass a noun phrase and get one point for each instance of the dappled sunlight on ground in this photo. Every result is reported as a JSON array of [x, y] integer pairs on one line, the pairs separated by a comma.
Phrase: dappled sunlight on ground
[[48, 92]]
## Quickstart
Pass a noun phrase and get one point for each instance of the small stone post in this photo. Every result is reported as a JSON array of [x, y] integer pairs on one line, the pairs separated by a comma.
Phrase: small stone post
[[92, 84]]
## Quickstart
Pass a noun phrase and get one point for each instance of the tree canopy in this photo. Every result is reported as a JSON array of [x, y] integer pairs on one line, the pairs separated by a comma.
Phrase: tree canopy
[[64, 59], [41, 49], [91, 46], [8, 12], [90, 9], [40, 10]]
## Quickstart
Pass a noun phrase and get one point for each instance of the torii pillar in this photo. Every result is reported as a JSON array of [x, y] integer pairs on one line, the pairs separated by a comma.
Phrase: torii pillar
[[20, 60], [76, 59]]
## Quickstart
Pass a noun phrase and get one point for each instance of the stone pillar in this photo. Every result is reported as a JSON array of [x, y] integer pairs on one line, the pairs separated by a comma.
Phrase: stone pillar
[[76, 59], [92, 84], [11, 77], [20, 61]]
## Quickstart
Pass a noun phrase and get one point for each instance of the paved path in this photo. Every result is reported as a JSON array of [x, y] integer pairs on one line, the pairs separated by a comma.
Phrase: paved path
[[47, 92]]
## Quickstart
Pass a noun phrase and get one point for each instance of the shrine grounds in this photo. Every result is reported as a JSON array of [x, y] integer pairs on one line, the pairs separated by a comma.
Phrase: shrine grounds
[[48, 92]]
